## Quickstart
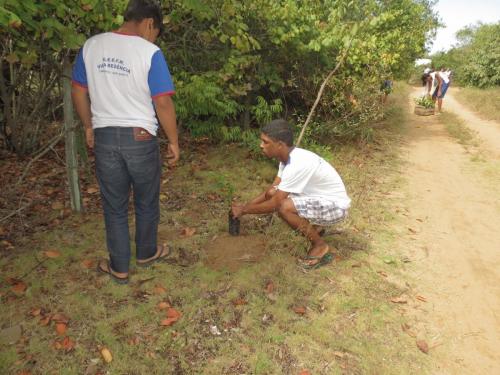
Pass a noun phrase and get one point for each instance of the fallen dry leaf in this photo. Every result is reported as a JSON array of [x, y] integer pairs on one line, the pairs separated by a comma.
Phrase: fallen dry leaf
[[19, 288], [158, 289], [35, 312], [300, 310], [421, 298], [422, 345], [133, 341], [172, 316], [106, 355], [411, 230], [269, 287], [92, 190], [87, 263], [399, 300], [65, 344], [52, 253], [163, 305], [24, 372], [61, 328], [304, 372], [339, 354], [45, 320], [188, 232], [382, 273], [239, 302], [57, 205], [173, 313], [60, 318]]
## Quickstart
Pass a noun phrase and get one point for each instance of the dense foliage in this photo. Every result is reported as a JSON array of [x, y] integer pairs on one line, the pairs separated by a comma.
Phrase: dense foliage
[[475, 61], [236, 64]]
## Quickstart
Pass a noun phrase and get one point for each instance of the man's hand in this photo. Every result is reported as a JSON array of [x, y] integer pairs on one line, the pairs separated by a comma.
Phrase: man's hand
[[89, 136], [237, 209], [173, 154]]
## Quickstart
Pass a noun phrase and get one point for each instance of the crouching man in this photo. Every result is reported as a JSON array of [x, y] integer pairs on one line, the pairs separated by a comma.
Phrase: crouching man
[[307, 192]]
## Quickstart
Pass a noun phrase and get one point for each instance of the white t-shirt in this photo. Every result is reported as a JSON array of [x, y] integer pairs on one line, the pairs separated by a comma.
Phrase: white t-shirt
[[445, 77], [308, 174], [123, 73]]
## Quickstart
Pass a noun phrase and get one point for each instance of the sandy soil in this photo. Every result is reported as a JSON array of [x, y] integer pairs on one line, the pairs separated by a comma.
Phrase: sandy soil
[[452, 239]]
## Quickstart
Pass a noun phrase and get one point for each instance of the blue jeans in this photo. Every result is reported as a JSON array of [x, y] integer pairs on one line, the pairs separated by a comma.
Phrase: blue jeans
[[123, 163]]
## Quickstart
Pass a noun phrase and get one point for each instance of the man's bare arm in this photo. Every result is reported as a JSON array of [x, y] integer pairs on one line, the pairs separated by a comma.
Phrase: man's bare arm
[[81, 101], [267, 194], [165, 110]]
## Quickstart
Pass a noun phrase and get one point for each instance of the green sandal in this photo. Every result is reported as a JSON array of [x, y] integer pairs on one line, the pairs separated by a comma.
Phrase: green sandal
[[322, 261]]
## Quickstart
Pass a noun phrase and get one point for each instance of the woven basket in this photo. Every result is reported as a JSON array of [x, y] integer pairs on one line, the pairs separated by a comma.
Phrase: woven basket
[[422, 111]]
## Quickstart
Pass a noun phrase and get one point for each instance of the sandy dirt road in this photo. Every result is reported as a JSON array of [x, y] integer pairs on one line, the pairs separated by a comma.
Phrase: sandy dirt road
[[452, 238]]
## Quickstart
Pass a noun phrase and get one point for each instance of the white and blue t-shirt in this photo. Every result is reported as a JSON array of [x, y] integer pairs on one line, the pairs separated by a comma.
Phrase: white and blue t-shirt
[[123, 74]]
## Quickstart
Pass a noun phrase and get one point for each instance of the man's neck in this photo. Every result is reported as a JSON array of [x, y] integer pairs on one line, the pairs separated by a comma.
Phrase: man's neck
[[285, 155], [129, 28]]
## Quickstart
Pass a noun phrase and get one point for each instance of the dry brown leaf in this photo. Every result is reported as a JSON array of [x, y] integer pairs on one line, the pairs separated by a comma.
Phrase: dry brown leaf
[[163, 305], [382, 273], [269, 287], [411, 230], [305, 372], [173, 313], [52, 253], [188, 232], [65, 344], [92, 190], [106, 355], [158, 289], [45, 320], [19, 288], [87, 263], [168, 322], [399, 300], [339, 354], [421, 298], [60, 318], [61, 328], [57, 205], [35, 312], [133, 341], [300, 310], [239, 302], [422, 345], [24, 372]]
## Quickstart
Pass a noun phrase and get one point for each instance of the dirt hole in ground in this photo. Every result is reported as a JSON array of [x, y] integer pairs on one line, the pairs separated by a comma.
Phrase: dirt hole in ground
[[230, 253]]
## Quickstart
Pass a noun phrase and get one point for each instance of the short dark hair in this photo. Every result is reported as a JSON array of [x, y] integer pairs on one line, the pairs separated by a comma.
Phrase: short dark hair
[[279, 130], [137, 10]]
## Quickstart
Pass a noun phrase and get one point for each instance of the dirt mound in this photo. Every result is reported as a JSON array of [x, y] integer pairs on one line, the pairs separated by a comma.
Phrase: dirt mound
[[230, 253]]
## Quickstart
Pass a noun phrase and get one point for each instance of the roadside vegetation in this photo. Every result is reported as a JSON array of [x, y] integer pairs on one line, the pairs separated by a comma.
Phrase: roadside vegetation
[[484, 101], [221, 304]]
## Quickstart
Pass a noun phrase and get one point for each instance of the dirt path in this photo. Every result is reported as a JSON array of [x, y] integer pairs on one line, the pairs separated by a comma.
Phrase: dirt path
[[454, 246]]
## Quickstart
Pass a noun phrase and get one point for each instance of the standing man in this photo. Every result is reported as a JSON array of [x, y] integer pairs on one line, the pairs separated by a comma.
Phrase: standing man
[[307, 191], [121, 86]]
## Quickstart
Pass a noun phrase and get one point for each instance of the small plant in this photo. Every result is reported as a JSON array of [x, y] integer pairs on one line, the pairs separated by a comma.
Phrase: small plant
[[424, 101], [223, 186]]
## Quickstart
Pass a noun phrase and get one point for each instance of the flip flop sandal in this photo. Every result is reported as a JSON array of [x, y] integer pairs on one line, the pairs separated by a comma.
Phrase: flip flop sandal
[[160, 256], [108, 271], [322, 261]]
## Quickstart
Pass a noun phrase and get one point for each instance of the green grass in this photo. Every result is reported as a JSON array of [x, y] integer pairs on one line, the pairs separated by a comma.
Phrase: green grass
[[457, 128], [350, 325], [484, 101]]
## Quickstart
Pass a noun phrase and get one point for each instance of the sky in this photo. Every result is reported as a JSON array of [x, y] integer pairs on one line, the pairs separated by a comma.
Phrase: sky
[[456, 14]]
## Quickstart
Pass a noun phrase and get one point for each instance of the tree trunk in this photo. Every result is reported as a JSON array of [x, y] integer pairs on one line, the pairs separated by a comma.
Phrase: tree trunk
[[71, 141]]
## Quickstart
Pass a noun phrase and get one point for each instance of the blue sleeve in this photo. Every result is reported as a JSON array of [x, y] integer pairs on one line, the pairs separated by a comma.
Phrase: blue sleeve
[[159, 79], [79, 75]]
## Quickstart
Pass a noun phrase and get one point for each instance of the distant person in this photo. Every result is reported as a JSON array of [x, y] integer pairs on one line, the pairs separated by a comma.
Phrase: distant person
[[307, 191], [121, 85], [442, 87], [386, 89]]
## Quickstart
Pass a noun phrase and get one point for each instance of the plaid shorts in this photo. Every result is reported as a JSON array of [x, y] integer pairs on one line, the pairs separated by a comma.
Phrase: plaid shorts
[[318, 211]]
